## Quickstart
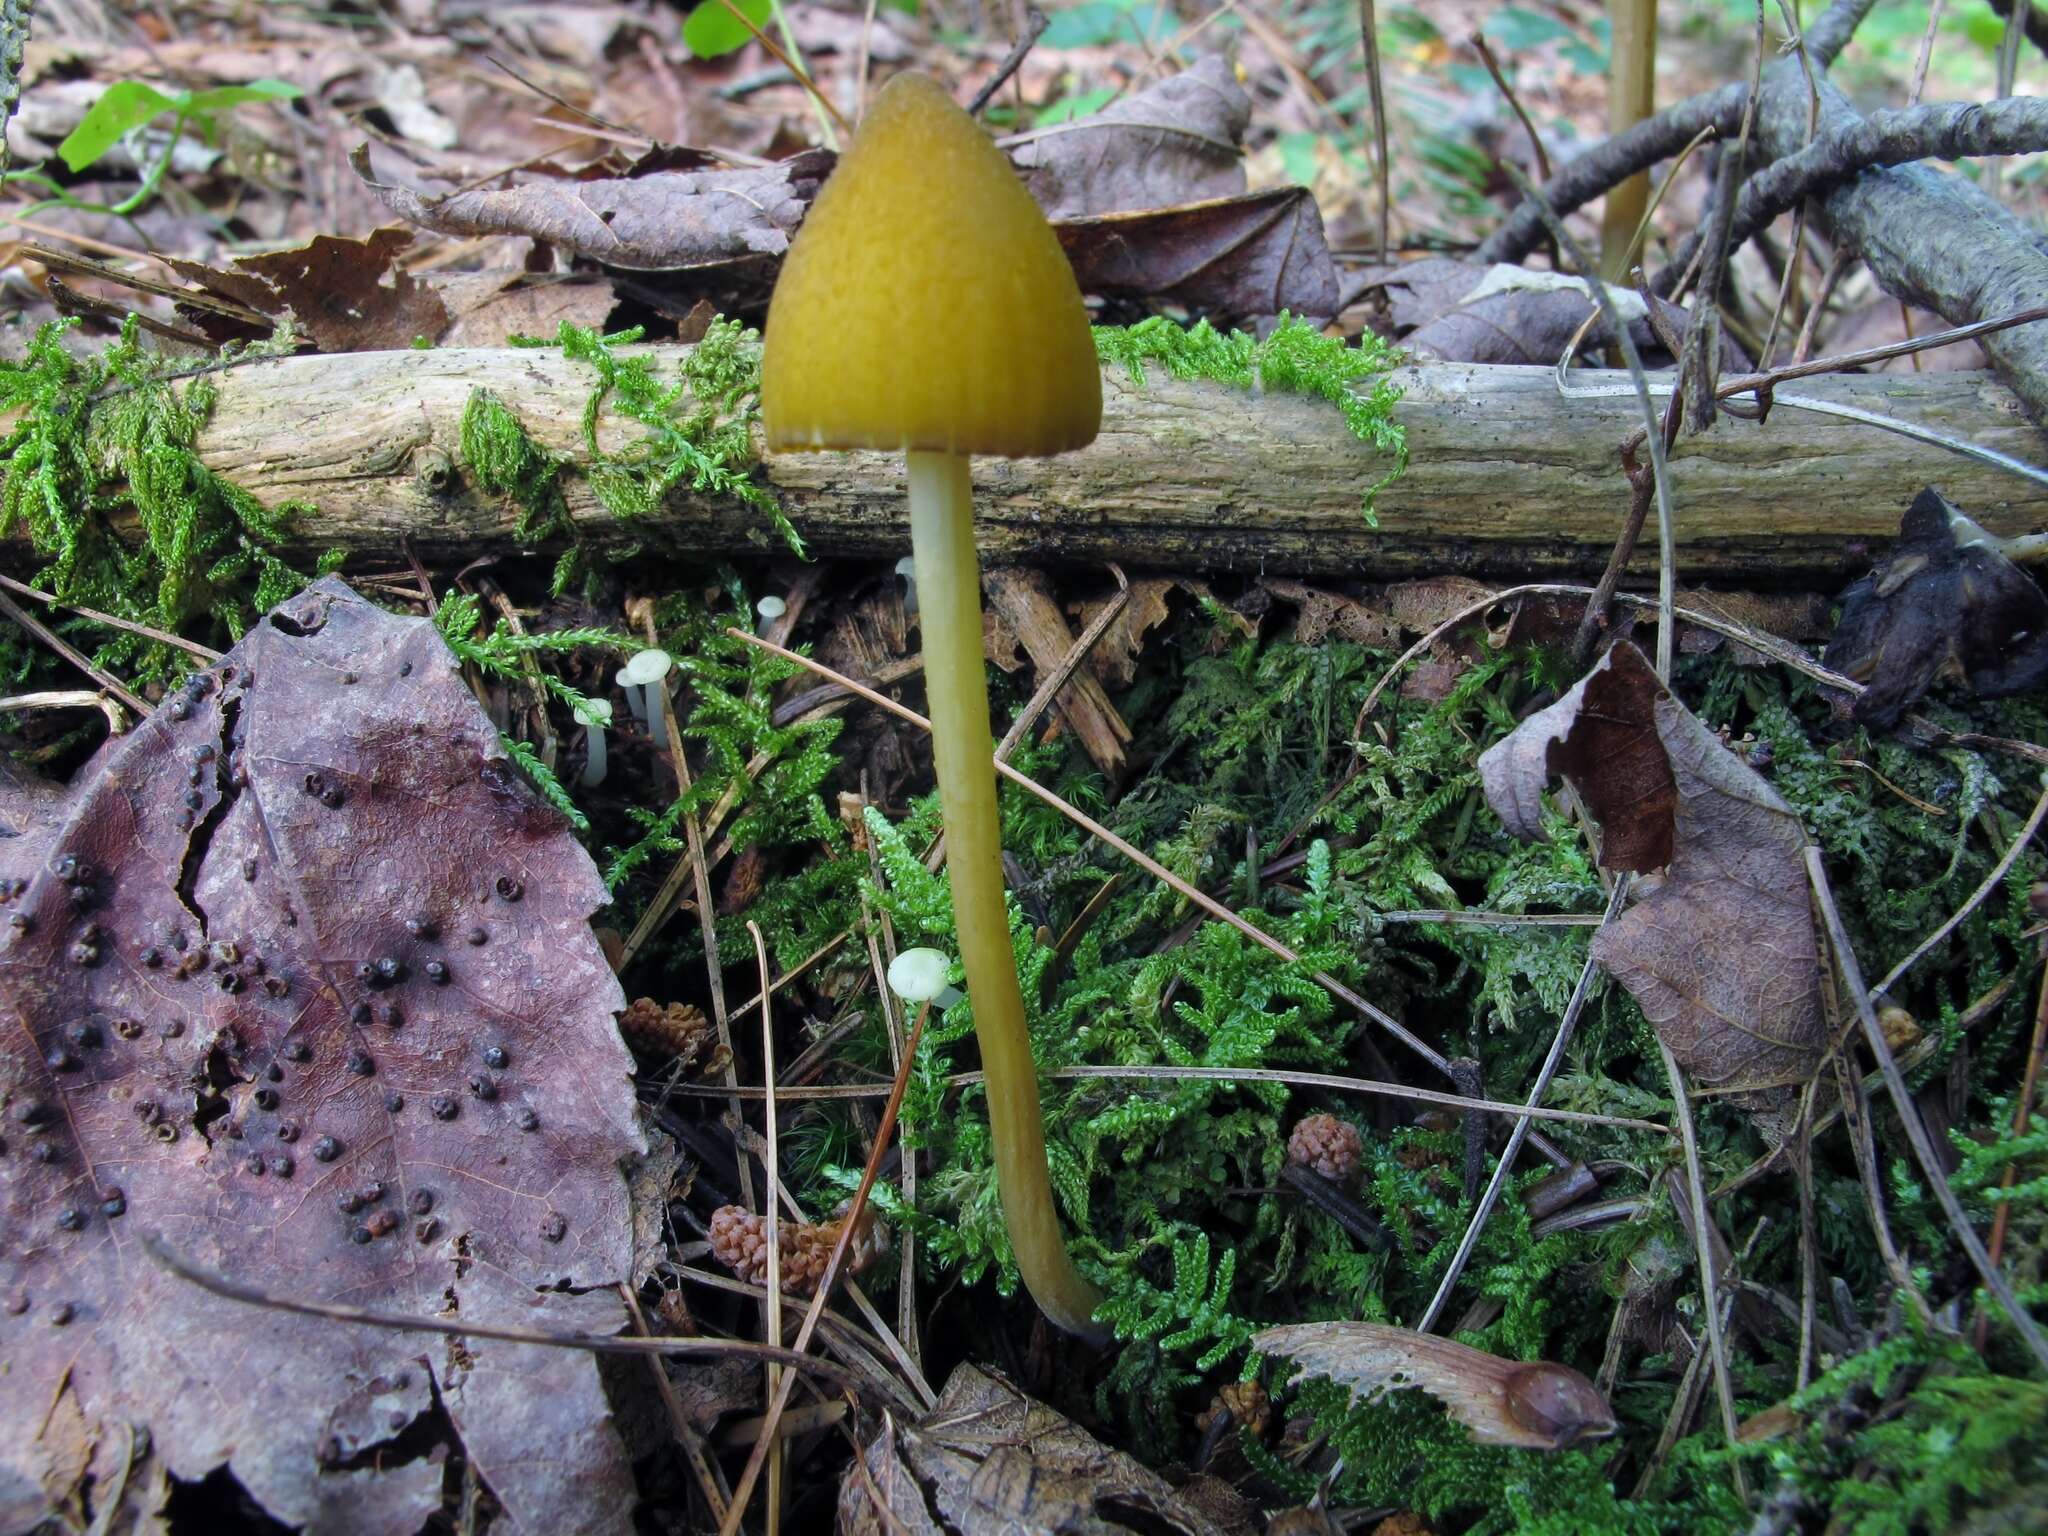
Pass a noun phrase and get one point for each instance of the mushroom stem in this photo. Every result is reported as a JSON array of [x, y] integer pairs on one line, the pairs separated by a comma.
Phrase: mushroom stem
[[956, 684]]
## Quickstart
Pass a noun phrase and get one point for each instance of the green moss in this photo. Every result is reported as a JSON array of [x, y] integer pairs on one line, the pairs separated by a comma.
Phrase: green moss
[[696, 432], [1295, 358], [98, 441]]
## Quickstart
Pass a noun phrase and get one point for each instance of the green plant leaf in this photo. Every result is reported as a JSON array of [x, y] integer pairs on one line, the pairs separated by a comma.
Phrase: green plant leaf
[[712, 30], [126, 104], [907, 7], [221, 97]]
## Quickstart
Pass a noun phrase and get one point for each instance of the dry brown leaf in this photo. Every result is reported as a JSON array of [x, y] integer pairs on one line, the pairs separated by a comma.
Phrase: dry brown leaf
[[1324, 613], [659, 222], [988, 1458], [305, 988], [1177, 141], [347, 295], [1235, 259], [1534, 1404], [1721, 953]]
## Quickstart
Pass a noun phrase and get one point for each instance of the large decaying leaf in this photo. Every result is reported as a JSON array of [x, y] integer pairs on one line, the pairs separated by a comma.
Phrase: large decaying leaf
[[663, 221], [989, 1459], [1180, 140], [1534, 1404], [300, 982], [1722, 953]]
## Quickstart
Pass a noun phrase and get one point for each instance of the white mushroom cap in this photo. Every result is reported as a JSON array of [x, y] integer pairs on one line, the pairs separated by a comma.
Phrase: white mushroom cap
[[771, 608], [648, 666], [597, 712], [919, 975]]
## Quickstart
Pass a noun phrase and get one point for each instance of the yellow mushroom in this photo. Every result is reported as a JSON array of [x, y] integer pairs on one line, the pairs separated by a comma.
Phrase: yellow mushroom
[[926, 308]]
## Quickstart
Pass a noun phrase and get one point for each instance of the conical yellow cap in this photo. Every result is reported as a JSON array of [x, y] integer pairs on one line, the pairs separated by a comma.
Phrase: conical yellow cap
[[926, 303]]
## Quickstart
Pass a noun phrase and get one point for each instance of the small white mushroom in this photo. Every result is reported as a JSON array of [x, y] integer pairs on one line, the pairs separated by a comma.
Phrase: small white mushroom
[[907, 569], [770, 609], [635, 699], [919, 976], [594, 715], [645, 679]]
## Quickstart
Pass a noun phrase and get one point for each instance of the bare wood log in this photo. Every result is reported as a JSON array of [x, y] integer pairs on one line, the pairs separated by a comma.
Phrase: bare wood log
[[1506, 478]]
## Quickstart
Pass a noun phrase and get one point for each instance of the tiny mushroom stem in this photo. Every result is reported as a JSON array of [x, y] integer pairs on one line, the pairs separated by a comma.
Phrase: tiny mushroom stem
[[645, 679], [919, 976], [925, 307], [907, 569], [595, 715]]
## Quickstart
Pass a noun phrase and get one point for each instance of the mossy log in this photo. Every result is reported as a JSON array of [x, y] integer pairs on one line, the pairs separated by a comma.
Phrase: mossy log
[[1506, 478]]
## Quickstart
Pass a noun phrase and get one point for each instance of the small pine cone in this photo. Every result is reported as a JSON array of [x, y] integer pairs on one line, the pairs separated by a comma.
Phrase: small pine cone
[[677, 1030], [739, 1241], [1328, 1145]]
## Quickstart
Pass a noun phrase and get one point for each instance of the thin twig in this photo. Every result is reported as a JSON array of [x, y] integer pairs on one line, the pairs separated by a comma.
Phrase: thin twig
[[1158, 871], [2021, 1118], [1035, 22], [1178, 1074], [840, 1245], [1909, 1115], [1703, 1246], [160, 636], [70, 653], [1667, 556], [406, 1322], [1505, 1165], [1978, 897], [1507, 91], [710, 1482], [1056, 679], [1376, 89], [782, 56]]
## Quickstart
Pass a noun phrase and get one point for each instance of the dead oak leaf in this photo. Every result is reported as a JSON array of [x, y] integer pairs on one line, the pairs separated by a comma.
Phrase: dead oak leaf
[[1179, 140], [1234, 259], [302, 985], [348, 295], [988, 1458], [1721, 953]]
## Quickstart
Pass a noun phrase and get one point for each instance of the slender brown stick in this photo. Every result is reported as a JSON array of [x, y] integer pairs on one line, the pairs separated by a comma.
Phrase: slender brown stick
[[1978, 897], [1909, 1116], [1376, 89], [1507, 91], [780, 55], [2021, 1118], [70, 653], [847, 1227], [406, 1322], [1703, 1245]]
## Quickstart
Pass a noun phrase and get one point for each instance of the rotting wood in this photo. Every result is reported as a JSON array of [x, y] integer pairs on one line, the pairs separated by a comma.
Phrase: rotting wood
[[1023, 600], [1506, 477]]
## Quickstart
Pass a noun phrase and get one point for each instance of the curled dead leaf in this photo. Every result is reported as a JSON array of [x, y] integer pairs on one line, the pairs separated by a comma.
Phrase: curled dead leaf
[[1535, 1404], [1722, 953]]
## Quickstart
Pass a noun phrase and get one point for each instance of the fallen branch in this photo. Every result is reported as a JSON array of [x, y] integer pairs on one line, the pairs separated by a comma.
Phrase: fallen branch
[[1504, 475], [1951, 130]]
